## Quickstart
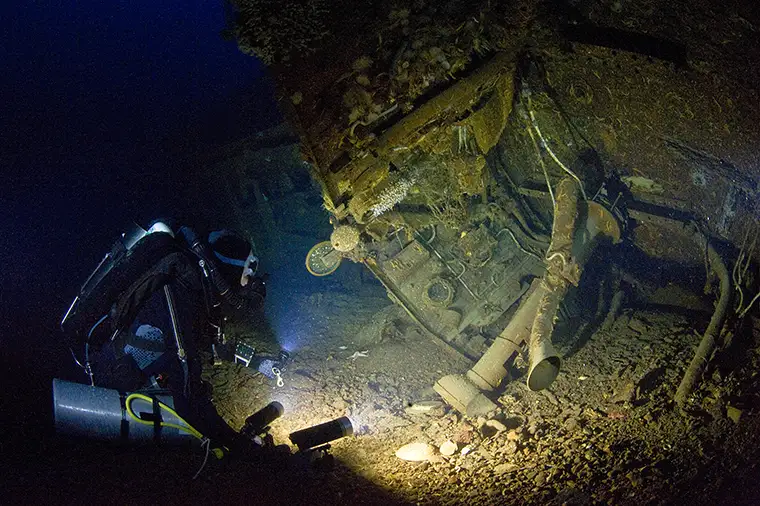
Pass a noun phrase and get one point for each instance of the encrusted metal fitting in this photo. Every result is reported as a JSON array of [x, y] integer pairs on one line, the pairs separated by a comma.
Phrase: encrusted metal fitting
[[344, 238]]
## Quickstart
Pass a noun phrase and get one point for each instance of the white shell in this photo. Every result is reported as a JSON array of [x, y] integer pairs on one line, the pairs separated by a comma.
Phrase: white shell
[[449, 448], [416, 452]]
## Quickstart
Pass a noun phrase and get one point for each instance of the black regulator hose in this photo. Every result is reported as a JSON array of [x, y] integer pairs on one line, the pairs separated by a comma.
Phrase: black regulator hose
[[222, 286]]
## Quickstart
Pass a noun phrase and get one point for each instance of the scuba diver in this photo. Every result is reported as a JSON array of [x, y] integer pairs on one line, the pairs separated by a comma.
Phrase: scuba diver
[[153, 305]]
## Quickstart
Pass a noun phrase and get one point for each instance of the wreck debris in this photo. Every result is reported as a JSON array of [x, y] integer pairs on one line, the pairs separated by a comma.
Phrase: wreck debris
[[706, 347], [533, 322], [406, 140], [392, 195], [359, 354], [619, 130], [322, 259], [713, 165], [344, 238]]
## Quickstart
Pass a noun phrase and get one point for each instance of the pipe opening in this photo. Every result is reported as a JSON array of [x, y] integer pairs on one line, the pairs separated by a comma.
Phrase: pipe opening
[[543, 374]]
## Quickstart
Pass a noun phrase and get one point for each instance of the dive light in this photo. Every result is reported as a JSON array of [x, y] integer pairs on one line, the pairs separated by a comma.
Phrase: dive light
[[318, 435]]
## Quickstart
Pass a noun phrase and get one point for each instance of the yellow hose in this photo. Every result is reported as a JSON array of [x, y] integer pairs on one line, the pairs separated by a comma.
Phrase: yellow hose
[[218, 452]]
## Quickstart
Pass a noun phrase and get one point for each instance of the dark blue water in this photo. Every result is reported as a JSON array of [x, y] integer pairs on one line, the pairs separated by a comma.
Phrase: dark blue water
[[104, 107]]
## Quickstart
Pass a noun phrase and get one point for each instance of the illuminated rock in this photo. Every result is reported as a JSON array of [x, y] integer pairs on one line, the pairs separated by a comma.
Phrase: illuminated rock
[[416, 452]]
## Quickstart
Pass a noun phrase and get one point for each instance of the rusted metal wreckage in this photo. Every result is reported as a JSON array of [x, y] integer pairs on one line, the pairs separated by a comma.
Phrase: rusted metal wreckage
[[477, 168]]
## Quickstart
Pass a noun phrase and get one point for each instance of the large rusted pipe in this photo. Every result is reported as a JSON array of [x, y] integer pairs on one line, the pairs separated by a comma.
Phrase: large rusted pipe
[[534, 320], [706, 347], [562, 270], [465, 392], [491, 369], [544, 360]]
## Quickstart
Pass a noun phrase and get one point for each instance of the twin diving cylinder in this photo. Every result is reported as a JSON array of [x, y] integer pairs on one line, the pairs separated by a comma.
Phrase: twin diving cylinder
[[101, 414]]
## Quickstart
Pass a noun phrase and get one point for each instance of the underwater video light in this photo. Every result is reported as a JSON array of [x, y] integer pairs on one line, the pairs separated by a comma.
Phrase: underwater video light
[[258, 421], [318, 435]]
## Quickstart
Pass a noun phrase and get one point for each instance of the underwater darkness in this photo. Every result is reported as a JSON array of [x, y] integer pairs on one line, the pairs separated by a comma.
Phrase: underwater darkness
[[119, 111], [103, 104]]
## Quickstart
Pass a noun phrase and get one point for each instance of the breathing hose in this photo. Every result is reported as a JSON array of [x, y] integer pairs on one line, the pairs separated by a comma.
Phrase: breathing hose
[[221, 284], [209, 268], [218, 452]]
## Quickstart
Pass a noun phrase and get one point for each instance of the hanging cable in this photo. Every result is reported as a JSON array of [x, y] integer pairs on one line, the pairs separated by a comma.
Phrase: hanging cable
[[519, 246], [207, 443], [551, 152], [543, 166]]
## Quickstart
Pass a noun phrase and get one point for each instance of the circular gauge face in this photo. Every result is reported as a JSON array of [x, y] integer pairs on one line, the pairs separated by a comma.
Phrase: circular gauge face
[[440, 292], [322, 259]]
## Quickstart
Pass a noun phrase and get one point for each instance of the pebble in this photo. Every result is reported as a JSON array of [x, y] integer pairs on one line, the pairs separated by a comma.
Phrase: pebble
[[571, 424], [503, 468], [638, 326], [485, 454], [495, 424], [509, 448], [448, 448], [550, 397], [430, 408], [626, 393], [416, 452], [734, 414]]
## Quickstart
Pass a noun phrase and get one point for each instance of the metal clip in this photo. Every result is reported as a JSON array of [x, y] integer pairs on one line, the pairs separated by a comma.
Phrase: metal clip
[[278, 375], [202, 264]]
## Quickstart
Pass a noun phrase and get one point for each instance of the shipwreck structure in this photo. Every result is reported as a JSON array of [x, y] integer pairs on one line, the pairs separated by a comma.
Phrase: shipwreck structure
[[478, 157]]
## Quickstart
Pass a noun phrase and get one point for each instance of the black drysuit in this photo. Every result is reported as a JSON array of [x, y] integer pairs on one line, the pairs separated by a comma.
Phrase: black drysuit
[[150, 346]]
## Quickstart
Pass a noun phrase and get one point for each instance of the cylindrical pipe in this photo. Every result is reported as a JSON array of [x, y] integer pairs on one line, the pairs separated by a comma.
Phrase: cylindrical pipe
[[562, 269], [488, 373], [463, 395], [544, 360], [570, 248], [563, 226], [612, 313], [698, 364]]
